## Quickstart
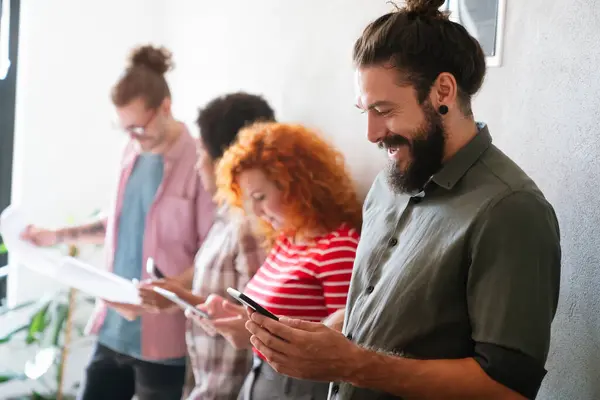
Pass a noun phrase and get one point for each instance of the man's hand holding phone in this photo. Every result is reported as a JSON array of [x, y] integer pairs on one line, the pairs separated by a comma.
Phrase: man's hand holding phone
[[152, 301]]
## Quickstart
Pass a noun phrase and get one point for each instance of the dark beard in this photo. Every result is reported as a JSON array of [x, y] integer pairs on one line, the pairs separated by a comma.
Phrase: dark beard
[[427, 151]]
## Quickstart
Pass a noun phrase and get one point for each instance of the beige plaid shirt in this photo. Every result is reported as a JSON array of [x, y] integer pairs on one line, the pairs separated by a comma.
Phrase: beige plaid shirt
[[229, 257]]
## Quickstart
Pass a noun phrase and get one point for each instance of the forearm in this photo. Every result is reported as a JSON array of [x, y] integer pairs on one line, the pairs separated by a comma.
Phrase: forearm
[[461, 379], [92, 233]]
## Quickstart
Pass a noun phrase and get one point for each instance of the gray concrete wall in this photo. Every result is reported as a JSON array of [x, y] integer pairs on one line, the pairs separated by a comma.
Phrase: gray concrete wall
[[543, 108]]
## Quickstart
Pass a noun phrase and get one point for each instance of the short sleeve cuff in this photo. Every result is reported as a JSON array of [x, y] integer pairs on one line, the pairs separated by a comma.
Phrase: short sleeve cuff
[[511, 368]]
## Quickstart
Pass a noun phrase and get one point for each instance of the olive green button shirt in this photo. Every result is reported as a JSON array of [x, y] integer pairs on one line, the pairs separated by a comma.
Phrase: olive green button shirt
[[474, 258]]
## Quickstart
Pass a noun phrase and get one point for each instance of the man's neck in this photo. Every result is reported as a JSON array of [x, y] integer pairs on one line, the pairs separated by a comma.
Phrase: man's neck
[[459, 133], [172, 134]]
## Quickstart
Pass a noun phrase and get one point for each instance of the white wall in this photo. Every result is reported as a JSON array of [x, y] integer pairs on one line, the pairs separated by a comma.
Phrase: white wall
[[296, 53], [542, 106], [66, 152]]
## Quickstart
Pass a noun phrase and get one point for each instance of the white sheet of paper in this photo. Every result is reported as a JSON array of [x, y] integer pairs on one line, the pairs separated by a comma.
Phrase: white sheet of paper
[[97, 282], [66, 270]]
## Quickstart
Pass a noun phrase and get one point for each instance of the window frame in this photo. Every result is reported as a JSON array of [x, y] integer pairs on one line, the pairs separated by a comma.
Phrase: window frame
[[494, 60], [8, 91]]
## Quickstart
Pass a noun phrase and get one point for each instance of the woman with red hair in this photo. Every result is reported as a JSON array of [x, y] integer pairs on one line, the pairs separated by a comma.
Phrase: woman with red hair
[[307, 209]]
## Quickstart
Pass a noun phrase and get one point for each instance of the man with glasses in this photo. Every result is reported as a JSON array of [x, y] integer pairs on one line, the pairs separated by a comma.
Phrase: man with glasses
[[161, 212]]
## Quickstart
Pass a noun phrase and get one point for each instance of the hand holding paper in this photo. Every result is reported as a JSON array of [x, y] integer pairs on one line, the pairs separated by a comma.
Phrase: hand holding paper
[[66, 270], [128, 311], [39, 236]]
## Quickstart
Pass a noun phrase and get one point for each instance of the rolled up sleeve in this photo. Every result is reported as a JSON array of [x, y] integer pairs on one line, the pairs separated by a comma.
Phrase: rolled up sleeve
[[513, 287]]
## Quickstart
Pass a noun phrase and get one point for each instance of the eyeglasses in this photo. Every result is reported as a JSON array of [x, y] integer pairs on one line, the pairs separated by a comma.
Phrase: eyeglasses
[[140, 130]]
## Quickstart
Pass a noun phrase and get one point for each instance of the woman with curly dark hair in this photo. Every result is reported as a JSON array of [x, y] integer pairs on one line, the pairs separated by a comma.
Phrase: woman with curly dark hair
[[298, 186]]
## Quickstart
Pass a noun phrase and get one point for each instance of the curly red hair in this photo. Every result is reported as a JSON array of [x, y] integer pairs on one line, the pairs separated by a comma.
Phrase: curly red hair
[[317, 190]]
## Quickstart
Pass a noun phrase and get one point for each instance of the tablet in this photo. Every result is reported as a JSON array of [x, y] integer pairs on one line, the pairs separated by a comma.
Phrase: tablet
[[247, 301], [184, 305]]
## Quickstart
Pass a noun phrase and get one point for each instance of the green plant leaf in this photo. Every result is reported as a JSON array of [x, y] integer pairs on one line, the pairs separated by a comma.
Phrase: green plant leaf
[[10, 376], [36, 396], [3, 249], [59, 319], [38, 324]]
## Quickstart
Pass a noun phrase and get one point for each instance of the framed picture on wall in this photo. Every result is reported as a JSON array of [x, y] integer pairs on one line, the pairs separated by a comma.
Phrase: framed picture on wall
[[484, 19]]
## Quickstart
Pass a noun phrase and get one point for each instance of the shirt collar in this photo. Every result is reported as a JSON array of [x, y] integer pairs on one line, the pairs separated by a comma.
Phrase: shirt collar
[[457, 166]]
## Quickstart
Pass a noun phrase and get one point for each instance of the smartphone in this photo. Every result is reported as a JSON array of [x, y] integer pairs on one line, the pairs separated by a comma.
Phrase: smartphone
[[247, 301], [153, 270], [184, 305]]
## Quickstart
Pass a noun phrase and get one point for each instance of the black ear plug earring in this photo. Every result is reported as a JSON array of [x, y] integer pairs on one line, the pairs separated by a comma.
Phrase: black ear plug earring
[[443, 109]]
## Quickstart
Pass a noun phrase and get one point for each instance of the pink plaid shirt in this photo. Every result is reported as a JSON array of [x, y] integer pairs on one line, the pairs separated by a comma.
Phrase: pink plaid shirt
[[177, 222], [229, 257]]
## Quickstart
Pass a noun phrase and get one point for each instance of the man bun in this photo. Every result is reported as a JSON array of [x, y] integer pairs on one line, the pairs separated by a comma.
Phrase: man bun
[[425, 8], [157, 59]]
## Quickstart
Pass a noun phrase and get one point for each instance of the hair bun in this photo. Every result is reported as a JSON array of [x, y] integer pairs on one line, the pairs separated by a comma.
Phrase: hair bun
[[428, 8], [157, 59]]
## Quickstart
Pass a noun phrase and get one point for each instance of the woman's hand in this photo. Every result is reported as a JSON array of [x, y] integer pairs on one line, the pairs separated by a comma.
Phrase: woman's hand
[[227, 319]]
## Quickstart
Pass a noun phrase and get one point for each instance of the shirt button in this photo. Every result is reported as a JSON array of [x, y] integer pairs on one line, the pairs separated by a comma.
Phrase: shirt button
[[370, 289], [393, 242], [335, 389]]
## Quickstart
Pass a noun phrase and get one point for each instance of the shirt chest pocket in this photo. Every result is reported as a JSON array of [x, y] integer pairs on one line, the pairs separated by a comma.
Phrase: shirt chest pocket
[[176, 221]]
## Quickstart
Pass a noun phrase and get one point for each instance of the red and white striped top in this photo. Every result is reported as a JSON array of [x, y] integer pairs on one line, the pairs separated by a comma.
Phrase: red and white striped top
[[306, 281]]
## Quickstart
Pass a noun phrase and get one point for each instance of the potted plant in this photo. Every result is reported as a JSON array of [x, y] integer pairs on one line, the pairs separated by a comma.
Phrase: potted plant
[[50, 332]]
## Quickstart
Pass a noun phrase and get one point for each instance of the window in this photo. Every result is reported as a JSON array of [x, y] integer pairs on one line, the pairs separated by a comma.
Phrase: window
[[484, 19], [9, 29]]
